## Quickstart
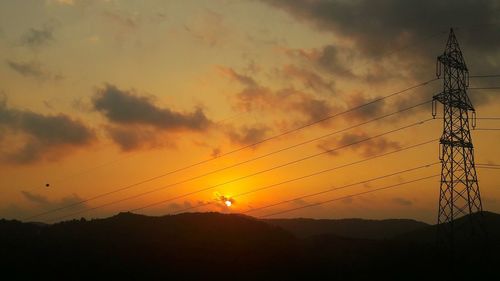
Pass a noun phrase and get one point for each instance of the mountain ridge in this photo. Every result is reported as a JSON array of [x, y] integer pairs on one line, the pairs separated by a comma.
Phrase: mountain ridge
[[350, 227], [193, 246]]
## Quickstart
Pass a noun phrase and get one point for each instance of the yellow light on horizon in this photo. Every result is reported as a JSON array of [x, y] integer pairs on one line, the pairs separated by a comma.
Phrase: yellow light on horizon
[[228, 203]]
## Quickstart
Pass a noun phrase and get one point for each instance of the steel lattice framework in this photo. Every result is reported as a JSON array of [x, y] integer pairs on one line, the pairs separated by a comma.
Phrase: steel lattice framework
[[459, 190]]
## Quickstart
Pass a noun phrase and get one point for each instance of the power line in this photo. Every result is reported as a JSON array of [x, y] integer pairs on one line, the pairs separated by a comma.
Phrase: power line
[[486, 167], [331, 189], [312, 123], [349, 196], [285, 164], [478, 118], [242, 177], [311, 175], [488, 164], [487, 129], [230, 152], [483, 88], [126, 187], [129, 155], [244, 113], [484, 76]]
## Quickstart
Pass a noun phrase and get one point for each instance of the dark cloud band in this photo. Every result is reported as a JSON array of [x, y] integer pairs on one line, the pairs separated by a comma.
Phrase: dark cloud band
[[125, 108], [42, 136]]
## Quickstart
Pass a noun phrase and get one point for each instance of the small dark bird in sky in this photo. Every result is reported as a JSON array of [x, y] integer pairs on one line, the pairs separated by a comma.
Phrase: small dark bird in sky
[[47, 185]]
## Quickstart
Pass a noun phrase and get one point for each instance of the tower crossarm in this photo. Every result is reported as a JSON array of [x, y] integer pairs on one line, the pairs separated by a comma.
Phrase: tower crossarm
[[457, 143], [451, 60], [455, 98]]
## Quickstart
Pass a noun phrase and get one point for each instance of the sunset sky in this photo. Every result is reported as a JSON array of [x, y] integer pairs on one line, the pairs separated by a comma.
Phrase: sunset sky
[[99, 95]]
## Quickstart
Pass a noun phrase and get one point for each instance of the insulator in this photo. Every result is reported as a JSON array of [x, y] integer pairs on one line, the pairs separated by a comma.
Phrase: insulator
[[440, 151], [438, 69], [434, 104], [474, 120]]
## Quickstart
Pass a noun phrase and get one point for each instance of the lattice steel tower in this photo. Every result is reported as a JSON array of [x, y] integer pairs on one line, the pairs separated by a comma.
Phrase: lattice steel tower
[[459, 191]]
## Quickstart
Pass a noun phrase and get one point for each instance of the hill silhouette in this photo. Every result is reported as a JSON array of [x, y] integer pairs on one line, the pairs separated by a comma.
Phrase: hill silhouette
[[353, 228], [488, 223], [214, 246]]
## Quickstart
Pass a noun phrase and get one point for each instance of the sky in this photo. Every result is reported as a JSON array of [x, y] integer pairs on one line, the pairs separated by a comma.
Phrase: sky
[[98, 96]]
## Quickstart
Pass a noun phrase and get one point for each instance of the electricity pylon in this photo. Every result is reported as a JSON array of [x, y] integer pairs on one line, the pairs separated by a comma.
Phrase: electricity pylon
[[459, 190]]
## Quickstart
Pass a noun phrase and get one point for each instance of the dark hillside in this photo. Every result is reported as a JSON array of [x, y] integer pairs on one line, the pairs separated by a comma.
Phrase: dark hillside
[[213, 246], [353, 228], [189, 245]]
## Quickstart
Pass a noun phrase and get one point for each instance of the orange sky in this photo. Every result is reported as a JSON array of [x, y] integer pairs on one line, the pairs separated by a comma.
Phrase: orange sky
[[99, 95]]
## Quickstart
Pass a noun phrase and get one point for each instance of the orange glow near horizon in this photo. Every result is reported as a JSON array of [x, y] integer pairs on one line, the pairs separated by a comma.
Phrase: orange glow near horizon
[[166, 100]]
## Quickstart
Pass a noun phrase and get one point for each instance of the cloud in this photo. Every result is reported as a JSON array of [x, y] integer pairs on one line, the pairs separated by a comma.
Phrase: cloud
[[234, 76], [46, 203], [123, 26], [377, 25], [32, 69], [253, 96], [208, 27], [366, 112], [330, 59], [38, 203], [38, 37], [333, 59], [397, 39], [300, 202], [131, 138], [66, 2], [63, 2], [311, 107], [347, 200], [247, 135], [128, 139], [221, 201], [308, 78], [216, 152], [340, 62], [26, 69], [34, 198], [33, 136], [126, 108], [126, 20], [402, 201], [366, 148], [175, 207], [136, 122]]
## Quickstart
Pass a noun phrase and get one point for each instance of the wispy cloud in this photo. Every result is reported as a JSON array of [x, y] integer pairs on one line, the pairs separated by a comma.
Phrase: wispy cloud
[[247, 135], [32, 69], [254, 96], [366, 148], [37, 37], [402, 201]]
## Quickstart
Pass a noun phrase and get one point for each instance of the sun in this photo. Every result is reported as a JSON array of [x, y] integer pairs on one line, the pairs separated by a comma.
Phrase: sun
[[224, 199]]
